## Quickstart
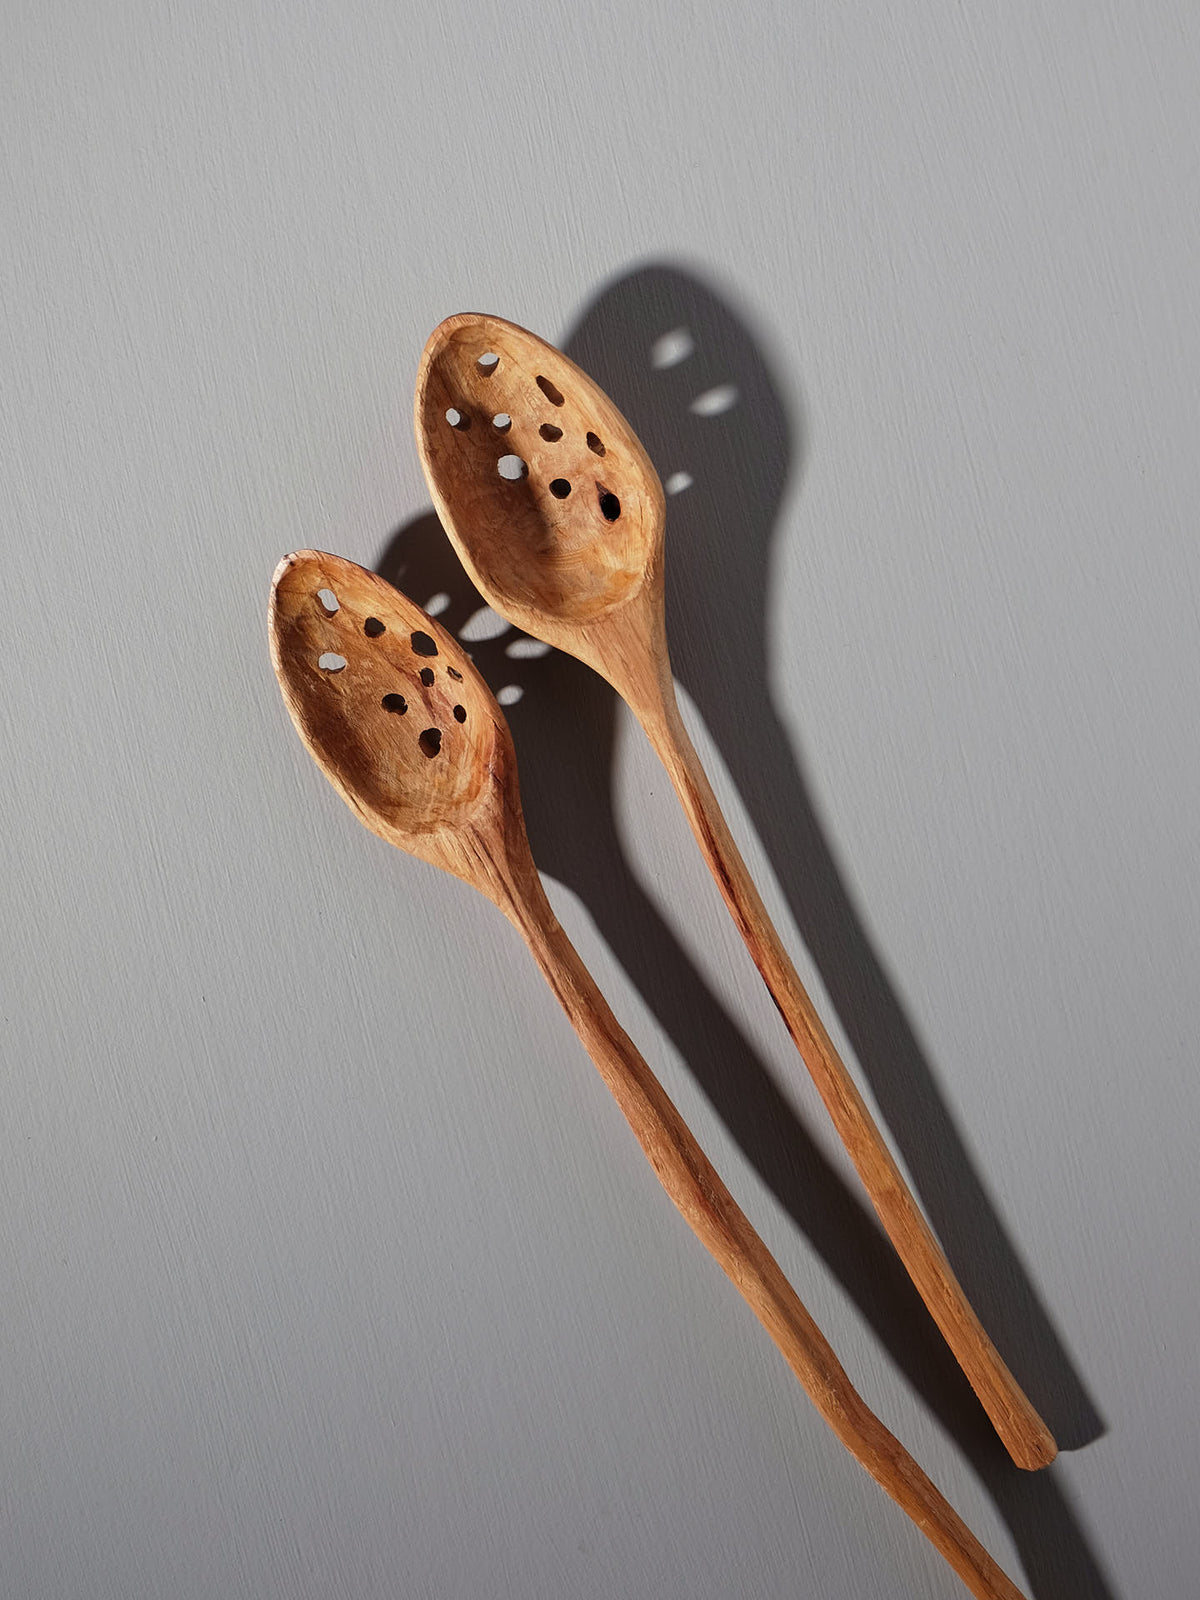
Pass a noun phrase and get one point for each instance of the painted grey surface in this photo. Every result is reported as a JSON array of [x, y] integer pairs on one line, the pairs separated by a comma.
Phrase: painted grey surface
[[329, 1269]]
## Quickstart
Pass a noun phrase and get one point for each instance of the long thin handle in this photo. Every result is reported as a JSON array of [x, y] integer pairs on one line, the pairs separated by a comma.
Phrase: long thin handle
[[714, 1216], [1025, 1436]]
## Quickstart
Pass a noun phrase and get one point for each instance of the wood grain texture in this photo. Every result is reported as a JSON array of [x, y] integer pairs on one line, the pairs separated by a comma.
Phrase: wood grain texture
[[368, 679], [555, 554]]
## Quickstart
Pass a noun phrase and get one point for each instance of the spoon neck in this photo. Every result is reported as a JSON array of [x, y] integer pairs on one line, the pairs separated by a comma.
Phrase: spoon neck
[[496, 858], [631, 652], [650, 695]]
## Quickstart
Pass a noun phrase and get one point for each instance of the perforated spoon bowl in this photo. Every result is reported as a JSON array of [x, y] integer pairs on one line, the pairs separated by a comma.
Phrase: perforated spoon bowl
[[411, 737], [558, 515]]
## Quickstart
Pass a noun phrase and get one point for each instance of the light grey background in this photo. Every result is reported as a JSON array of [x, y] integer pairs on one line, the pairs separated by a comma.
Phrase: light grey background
[[328, 1269]]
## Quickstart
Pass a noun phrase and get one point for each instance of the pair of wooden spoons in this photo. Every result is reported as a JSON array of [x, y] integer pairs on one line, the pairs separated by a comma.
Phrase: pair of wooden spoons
[[407, 731]]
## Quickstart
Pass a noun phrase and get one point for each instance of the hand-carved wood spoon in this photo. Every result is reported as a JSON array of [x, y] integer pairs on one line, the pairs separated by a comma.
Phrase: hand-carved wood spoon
[[557, 514], [411, 737]]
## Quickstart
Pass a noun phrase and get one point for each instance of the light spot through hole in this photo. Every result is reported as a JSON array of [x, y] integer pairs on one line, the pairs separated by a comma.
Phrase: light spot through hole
[[526, 649], [553, 394], [671, 348], [431, 741], [559, 488], [372, 627], [715, 401], [549, 432], [437, 603], [510, 694], [480, 625], [678, 482], [511, 467], [330, 662], [329, 601]]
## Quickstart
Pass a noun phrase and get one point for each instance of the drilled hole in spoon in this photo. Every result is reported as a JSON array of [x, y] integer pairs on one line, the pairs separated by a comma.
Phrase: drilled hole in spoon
[[502, 422], [559, 488], [372, 627], [488, 363], [512, 468], [610, 506], [423, 645], [394, 702], [595, 445], [460, 713], [329, 601], [331, 662], [427, 676], [552, 393], [431, 741], [458, 419], [455, 674], [550, 433]]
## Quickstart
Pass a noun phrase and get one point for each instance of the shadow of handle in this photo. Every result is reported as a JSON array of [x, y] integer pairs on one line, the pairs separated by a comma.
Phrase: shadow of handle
[[1023, 1432], [717, 1220]]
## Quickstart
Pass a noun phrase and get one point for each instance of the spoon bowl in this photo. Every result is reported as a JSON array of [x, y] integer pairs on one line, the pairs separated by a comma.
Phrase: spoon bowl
[[390, 706], [519, 441]]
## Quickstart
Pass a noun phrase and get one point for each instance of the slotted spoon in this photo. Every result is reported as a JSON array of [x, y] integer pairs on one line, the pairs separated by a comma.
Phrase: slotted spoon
[[557, 514], [406, 730]]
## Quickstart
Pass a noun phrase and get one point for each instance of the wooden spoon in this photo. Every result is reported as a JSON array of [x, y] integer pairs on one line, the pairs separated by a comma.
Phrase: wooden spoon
[[409, 734], [557, 514]]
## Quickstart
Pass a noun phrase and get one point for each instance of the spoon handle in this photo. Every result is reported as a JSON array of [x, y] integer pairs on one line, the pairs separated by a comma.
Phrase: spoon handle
[[720, 1225], [1023, 1432]]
